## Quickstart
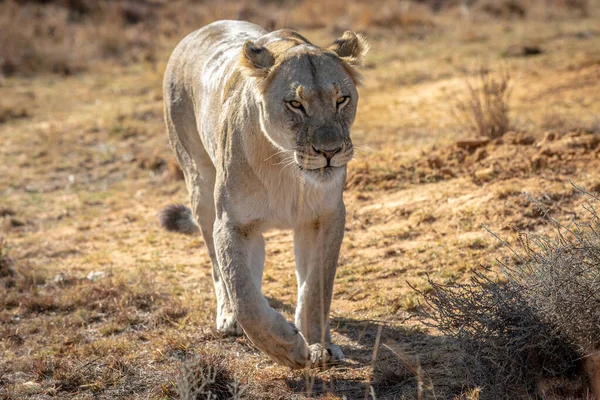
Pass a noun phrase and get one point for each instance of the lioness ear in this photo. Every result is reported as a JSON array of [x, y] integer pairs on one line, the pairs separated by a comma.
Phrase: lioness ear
[[351, 47], [256, 60]]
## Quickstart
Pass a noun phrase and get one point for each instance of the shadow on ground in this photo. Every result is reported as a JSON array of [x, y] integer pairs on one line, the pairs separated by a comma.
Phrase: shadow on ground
[[409, 364]]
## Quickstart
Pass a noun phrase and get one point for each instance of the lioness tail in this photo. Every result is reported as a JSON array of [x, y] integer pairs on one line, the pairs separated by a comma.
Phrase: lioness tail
[[178, 218]]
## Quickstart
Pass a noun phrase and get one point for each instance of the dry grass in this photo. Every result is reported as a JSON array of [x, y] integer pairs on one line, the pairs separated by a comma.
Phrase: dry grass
[[561, 277], [507, 349], [68, 37], [11, 113], [6, 262], [208, 377], [28, 47], [86, 169], [531, 333], [485, 112]]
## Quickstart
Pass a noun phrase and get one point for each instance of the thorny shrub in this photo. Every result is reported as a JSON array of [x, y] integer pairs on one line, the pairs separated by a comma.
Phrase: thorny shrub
[[539, 323]]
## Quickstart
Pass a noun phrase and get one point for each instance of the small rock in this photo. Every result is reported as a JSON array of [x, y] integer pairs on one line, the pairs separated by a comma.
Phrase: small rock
[[15, 223], [518, 138], [60, 278], [485, 174], [550, 136], [472, 144], [96, 275], [526, 50], [525, 140]]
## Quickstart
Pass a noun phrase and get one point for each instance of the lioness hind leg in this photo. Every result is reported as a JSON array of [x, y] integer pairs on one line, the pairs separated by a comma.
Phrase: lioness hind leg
[[204, 212], [199, 174]]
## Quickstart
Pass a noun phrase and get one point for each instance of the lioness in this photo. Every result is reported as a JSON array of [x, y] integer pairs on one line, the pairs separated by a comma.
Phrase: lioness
[[260, 123]]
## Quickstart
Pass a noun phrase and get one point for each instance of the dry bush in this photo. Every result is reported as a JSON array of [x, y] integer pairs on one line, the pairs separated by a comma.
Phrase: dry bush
[[67, 37], [486, 111], [207, 377], [532, 332], [507, 349], [561, 278], [34, 38]]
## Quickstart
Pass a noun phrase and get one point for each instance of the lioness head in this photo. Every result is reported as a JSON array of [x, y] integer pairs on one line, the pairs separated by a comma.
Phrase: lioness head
[[307, 97]]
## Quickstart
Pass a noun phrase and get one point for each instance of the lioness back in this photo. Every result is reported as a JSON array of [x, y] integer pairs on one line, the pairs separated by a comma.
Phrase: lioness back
[[200, 67]]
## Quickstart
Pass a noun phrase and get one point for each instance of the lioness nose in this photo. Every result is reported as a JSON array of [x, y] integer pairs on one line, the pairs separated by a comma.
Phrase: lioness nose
[[327, 153]]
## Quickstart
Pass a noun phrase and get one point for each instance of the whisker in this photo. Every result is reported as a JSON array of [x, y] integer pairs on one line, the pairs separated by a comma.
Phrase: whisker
[[364, 148], [360, 151], [286, 160], [292, 162], [282, 151]]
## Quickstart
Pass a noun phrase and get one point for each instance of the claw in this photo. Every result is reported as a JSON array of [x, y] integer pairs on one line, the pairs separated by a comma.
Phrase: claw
[[329, 355]]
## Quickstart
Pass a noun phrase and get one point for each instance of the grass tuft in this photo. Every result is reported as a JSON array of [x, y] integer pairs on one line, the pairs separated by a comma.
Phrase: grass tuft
[[207, 376], [485, 111]]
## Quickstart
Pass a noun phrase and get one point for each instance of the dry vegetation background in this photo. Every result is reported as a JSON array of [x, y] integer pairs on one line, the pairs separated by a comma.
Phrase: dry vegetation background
[[466, 104]]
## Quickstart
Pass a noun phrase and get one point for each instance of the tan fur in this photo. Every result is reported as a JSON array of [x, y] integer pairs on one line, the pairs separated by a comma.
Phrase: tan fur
[[256, 60], [252, 162], [352, 48]]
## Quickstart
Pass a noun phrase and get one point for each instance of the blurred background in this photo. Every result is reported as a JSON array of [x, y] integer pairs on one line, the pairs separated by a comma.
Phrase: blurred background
[[70, 36]]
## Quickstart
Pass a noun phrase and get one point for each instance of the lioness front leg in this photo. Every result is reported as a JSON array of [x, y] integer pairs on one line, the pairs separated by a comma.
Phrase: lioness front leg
[[316, 249], [266, 328]]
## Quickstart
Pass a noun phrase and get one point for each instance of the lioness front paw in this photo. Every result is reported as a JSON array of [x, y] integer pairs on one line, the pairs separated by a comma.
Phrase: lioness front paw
[[329, 355], [227, 325], [295, 356]]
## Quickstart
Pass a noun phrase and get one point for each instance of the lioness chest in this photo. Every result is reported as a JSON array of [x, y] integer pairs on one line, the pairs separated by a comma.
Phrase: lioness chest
[[276, 198]]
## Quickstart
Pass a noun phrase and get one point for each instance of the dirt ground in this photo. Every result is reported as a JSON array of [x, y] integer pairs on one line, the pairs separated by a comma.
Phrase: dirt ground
[[98, 302]]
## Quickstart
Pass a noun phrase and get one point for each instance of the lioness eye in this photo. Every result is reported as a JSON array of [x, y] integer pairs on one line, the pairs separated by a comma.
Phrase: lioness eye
[[341, 100], [295, 104]]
